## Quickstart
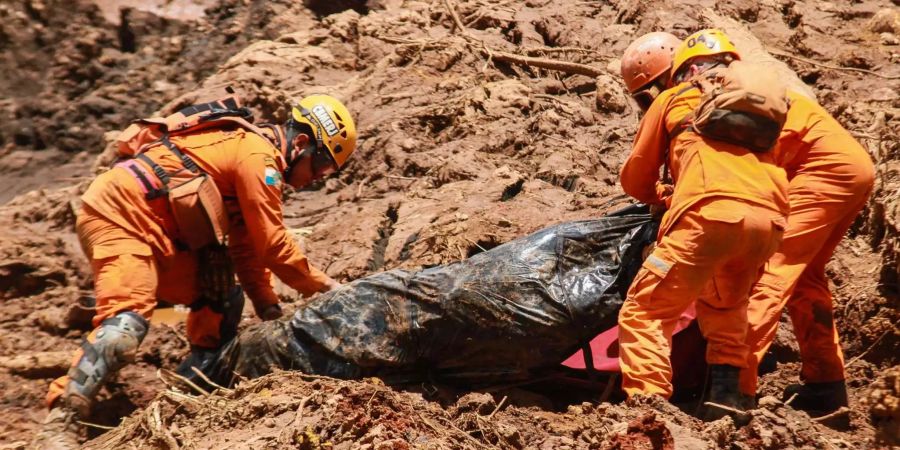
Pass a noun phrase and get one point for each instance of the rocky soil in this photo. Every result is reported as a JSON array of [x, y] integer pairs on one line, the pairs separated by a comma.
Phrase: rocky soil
[[460, 147]]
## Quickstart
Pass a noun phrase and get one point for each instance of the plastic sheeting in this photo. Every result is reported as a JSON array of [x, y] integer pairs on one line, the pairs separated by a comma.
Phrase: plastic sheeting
[[504, 314]]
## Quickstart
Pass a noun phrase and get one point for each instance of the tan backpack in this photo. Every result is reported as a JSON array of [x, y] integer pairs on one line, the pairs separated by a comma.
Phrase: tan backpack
[[195, 201], [743, 104]]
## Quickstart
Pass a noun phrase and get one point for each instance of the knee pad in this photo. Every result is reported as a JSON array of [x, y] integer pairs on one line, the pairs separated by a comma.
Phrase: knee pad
[[114, 345]]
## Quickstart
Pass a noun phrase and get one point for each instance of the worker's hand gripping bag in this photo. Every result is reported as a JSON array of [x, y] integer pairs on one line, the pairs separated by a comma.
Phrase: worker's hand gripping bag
[[504, 314]]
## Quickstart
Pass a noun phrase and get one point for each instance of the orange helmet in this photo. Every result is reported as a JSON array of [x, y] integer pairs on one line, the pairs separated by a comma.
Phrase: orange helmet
[[648, 58], [708, 42], [331, 124]]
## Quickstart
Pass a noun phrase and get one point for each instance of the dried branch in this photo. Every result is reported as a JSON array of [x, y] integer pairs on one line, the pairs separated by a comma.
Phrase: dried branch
[[842, 411], [543, 63], [547, 63], [858, 357], [738, 413], [785, 54], [208, 381]]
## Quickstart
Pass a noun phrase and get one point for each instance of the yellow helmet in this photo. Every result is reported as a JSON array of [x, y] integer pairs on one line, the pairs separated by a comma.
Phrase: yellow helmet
[[708, 42], [331, 124]]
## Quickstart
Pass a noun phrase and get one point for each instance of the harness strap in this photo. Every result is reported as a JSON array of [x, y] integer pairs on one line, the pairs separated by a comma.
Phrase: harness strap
[[186, 160], [682, 125], [157, 169]]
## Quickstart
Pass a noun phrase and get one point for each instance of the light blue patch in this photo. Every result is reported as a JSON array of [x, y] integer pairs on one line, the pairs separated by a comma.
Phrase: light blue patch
[[273, 177]]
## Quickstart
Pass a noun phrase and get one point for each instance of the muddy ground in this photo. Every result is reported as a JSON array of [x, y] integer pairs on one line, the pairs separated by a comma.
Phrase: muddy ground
[[459, 151]]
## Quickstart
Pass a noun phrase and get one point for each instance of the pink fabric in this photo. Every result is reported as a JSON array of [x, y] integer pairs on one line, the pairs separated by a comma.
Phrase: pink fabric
[[605, 346]]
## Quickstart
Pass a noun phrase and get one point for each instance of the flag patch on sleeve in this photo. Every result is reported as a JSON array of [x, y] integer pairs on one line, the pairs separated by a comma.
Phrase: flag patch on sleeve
[[273, 177]]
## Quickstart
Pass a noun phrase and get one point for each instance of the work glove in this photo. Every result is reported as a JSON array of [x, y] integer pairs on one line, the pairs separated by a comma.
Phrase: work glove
[[216, 273], [271, 312]]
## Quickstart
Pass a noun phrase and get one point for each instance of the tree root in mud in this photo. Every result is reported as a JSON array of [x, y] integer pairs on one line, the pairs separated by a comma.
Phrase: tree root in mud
[[543, 63]]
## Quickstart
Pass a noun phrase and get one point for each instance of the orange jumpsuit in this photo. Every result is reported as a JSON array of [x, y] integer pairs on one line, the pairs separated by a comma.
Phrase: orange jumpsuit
[[831, 177], [130, 240], [725, 219]]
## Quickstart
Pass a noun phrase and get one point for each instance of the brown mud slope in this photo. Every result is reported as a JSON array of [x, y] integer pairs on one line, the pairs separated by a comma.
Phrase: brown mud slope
[[462, 148]]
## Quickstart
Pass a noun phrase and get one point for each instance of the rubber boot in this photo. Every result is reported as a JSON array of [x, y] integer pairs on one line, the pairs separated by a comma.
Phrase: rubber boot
[[723, 390], [202, 358], [819, 399], [114, 344], [60, 431]]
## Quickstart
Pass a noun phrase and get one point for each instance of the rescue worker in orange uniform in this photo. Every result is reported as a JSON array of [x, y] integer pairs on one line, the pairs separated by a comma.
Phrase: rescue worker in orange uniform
[[725, 218], [831, 176], [132, 243]]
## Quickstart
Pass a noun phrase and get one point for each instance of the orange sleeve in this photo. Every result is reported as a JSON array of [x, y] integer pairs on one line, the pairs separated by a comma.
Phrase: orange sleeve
[[253, 275], [259, 197], [640, 173]]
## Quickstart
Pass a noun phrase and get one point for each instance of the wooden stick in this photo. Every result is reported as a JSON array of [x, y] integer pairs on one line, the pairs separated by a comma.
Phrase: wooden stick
[[857, 358], [543, 63], [208, 381], [168, 373], [736, 412], [842, 411], [791, 400], [499, 405], [785, 54], [94, 425], [547, 63], [610, 385], [538, 50], [459, 25]]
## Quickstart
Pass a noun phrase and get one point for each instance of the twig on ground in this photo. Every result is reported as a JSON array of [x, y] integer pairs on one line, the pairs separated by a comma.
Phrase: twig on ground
[[858, 357], [610, 385], [494, 55], [95, 425], [453, 15], [736, 412], [163, 374], [785, 54], [543, 50], [791, 400], [842, 411], [546, 63], [499, 405], [208, 381]]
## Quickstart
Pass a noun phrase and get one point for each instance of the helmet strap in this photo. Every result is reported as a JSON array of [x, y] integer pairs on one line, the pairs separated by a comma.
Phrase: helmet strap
[[291, 155]]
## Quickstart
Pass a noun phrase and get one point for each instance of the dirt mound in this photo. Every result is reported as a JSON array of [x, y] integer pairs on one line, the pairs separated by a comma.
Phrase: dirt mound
[[292, 410], [466, 143], [72, 75]]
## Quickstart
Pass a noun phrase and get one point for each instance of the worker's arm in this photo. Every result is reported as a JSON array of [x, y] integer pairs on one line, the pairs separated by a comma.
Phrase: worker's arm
[[254, 278], [640, 173], [258, 187]]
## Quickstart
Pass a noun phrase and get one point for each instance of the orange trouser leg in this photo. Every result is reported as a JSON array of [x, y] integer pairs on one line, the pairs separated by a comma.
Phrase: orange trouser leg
[[821, 214], [718, 245], [179, 285], [811, 311], [121, 283]]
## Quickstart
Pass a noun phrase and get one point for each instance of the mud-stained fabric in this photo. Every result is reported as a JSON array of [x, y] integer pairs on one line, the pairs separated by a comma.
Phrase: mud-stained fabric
[[504, 314]]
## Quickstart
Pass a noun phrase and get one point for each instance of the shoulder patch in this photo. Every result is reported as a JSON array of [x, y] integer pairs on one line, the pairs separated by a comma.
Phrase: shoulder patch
[[272, 176]]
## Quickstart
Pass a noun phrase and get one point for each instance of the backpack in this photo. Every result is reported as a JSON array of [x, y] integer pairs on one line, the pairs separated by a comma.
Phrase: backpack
[[195, 201], [743, 104]]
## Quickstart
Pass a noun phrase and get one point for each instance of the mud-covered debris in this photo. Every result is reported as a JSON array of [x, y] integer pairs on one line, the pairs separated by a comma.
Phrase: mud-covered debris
[[883, 405], [643, 433], [886, 20], [610, 95]]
